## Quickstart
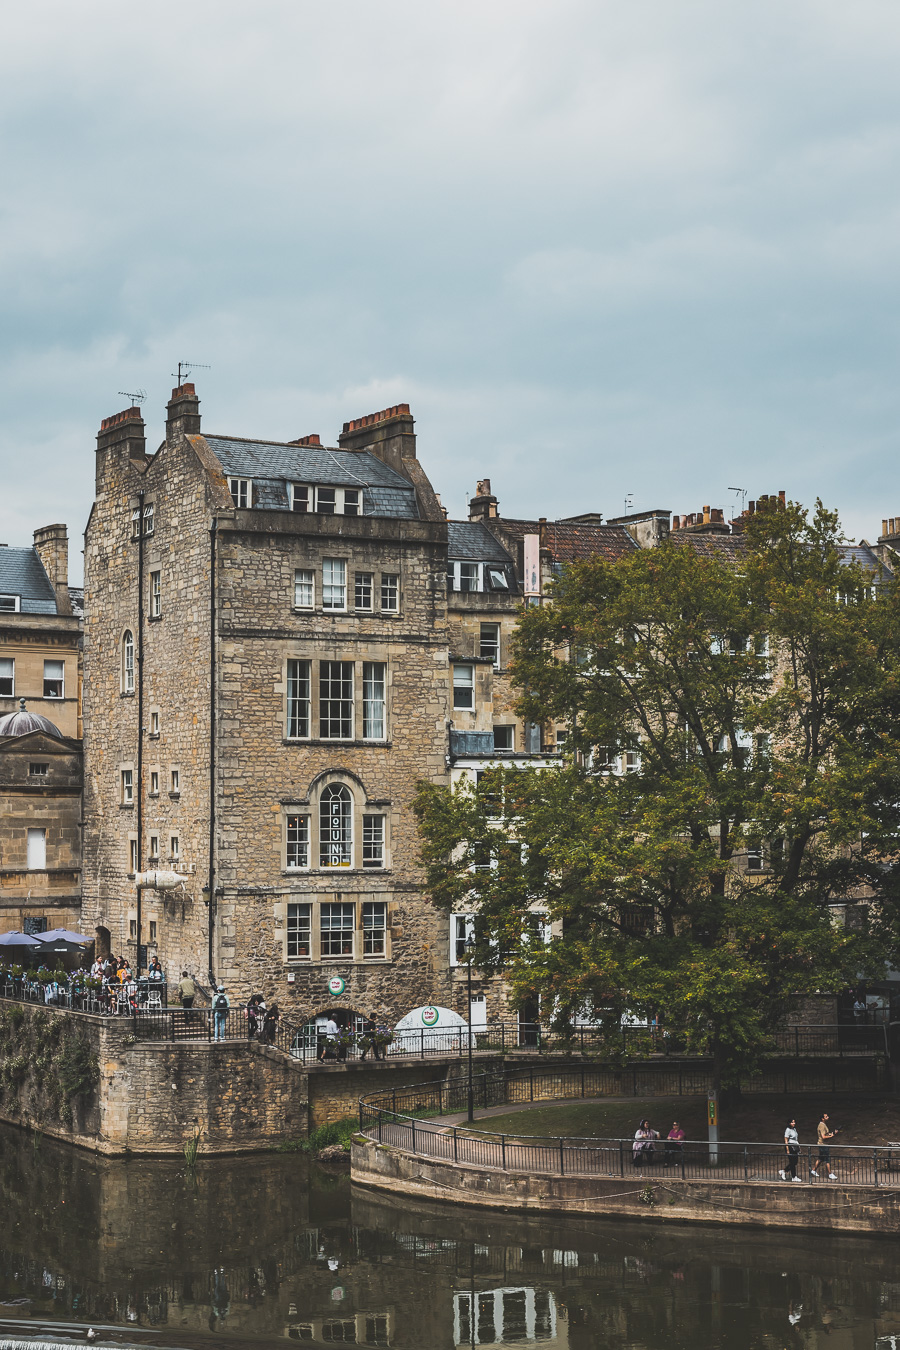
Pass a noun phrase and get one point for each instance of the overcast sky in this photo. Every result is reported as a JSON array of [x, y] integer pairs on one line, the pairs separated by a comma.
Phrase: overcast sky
[[601, 248]]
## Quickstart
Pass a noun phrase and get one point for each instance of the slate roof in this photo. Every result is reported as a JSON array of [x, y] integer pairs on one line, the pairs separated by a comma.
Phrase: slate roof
[[272, 465], [76, 595], [22, 573], [732, 546], [469, 540], [571, 542]]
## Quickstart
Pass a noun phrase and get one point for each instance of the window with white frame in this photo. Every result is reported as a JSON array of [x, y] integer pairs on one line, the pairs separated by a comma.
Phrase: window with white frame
[[175, 782], [336, 700], [299, 932], [465, 576], [297, 841], [298, 700], [462, 927], [36, 849], [127, 787], [149, 517], [154, 722], [631, 759], [336, 927], [334, 583], [128, 662], [336, 826], [374, 928], [154, 848], [155, 595], [373, 841], [132, 856], [325, 501], [154, 782], [504, 737], [9, 604], [363, 590], [304, 588], [54, 679], [7, 676], [390, 592], [174, 847], [241, 490], [136, 523], [463, 686], [489, 644], [373, 700]]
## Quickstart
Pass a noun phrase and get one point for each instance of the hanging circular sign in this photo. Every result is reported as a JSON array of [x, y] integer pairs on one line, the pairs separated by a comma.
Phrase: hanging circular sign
[[336, 986], [430, 1016]]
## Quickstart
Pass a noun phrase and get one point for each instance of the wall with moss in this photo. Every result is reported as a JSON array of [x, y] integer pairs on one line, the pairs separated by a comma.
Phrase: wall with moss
[[49, 1070]]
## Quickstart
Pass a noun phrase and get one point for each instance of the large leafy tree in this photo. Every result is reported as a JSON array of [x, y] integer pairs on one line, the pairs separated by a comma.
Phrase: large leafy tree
[[733, 775]]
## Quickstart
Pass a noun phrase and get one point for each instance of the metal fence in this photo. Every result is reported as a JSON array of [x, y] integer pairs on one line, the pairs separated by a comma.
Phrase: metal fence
[[116, 999], [405, 1119]]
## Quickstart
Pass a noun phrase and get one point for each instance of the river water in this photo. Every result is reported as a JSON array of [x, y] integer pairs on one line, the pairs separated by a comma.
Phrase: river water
[[273, 1249]]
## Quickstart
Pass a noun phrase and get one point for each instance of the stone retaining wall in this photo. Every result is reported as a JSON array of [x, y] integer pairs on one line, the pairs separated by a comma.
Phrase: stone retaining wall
[[825, 1208]]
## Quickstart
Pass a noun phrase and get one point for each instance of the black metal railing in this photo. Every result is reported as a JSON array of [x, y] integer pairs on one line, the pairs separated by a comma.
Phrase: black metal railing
[[118, 999], [405, 1119]]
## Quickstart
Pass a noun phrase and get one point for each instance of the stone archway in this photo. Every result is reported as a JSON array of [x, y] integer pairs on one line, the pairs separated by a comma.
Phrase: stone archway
[[103, 942]]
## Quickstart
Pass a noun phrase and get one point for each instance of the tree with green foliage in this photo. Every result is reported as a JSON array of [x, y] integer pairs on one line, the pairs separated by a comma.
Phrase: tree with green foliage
[[732, 779]]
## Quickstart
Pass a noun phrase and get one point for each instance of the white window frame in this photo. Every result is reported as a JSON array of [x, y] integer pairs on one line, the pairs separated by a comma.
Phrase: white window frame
[[126, 786], [132, 856], [341, 928], [305, 499], [463, 684], [154, 783], [156, 594], [489, 648], [374, 705], [153, 854], [304, 585], [303, 829], [175, 847], [149, 518], [377, 909], [293, 929], [241, 490], [362, 582], [373, 842], [174, 782], [390, 590], [505, 726], [462, 926], [334, 585], [128, 665], [455, 573], [60, 680], [8, 662], [154, 722], [350, 720], [14, 608], [297, 700]]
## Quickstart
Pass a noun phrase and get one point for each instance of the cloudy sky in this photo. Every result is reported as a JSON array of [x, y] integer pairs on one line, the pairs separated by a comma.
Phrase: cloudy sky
[[602, 249]]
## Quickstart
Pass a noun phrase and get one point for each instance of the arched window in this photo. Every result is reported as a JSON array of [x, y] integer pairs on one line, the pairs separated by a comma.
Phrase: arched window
[[128, 662], [336, 826]]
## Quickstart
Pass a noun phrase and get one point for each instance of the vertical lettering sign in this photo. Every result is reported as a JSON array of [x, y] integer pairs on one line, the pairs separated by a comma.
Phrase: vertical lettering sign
[[335, 832], [532, 564]]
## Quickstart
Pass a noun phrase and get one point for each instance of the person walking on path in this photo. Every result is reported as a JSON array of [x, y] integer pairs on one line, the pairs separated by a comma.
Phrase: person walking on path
[[642, 1148], [824, 1132], [270, 1024], [188, 990], [221, 1004], [792, 1149], [674, 1145], [328, 1036], [252, 1013]]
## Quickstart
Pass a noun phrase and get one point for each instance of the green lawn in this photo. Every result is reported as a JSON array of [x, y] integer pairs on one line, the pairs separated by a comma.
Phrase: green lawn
[[755, 1119]]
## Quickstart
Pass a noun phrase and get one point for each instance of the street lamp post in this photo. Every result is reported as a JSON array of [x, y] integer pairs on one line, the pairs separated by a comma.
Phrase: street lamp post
[[470, 952]]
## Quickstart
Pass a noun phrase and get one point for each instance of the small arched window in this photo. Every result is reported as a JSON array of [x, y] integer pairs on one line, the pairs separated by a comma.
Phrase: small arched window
[[128, 662], [336, 826]]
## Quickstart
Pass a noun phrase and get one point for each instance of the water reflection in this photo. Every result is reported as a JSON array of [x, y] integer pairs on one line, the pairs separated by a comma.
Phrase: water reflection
[[263, 1250]]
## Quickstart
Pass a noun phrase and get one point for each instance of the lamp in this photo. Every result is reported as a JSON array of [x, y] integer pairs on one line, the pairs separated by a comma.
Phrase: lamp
[[470, 952]]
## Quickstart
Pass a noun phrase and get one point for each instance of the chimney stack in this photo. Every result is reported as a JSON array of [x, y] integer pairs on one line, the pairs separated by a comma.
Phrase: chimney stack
[[121, 437], [52, 547], [182, 413], [483, 506], [312, 439]]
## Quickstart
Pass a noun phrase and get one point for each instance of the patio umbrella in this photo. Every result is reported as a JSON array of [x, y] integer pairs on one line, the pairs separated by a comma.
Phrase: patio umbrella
[[18, 940], [64, 935]]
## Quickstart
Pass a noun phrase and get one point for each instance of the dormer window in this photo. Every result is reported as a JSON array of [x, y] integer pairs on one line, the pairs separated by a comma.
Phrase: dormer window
[[497, 578], [465, 576], [241, 490], [325, 501], [10, 604]]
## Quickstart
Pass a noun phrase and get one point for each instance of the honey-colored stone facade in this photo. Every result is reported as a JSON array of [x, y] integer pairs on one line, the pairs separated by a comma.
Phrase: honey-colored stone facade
[[40, 790], [263, 775]]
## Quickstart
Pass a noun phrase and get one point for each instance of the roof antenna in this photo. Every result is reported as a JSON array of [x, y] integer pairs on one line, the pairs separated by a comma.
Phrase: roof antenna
[[137, 397], [629, 499], [185, 368], [742, 493]]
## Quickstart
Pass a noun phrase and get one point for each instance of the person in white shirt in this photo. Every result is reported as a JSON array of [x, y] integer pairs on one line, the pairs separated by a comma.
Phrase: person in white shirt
[[792, 1149], [328, 1037]]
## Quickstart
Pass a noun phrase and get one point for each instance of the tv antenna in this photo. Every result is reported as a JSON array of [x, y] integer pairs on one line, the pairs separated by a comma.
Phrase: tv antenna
[[629, 500], [185, 368], [137, 397], [742, 493]]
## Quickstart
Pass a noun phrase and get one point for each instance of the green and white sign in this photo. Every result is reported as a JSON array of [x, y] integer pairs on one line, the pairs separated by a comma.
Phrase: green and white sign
[[430, 1016], [336, 986]]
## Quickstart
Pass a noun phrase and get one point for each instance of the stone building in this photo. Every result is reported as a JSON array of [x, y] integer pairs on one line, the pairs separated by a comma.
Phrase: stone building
[[40, 758], [266, 682]]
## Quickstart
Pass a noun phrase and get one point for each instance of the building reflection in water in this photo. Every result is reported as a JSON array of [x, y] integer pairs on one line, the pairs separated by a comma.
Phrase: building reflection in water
[[259, 1251]]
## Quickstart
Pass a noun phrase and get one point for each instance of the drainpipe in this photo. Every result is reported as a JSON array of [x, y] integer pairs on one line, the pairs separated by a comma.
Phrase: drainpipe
[[211, 878], [140, 716]]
